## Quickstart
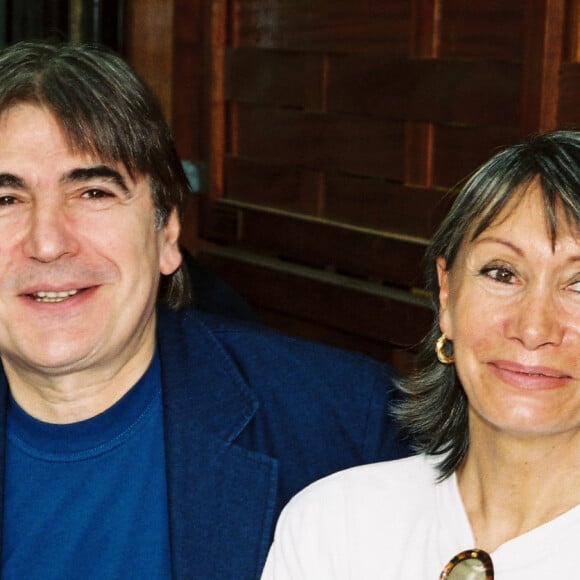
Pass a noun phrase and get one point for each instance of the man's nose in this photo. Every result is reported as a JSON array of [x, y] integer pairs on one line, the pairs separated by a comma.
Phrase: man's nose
[[50, 234]]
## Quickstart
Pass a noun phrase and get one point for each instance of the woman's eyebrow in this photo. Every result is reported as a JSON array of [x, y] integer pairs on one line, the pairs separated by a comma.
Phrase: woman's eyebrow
[[495, 240]]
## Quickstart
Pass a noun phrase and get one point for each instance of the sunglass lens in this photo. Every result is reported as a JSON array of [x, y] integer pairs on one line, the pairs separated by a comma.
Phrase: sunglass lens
[[468, 569]]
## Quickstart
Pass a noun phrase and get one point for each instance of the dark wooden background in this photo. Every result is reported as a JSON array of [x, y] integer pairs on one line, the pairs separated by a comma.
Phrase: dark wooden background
[[332, 131]]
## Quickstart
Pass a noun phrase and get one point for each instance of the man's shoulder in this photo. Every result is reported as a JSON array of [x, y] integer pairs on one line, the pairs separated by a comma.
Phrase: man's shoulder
[[283, 370], [256, 344]]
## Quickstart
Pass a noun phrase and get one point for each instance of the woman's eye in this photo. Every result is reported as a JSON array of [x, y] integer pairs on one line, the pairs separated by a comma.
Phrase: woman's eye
[[499, 274]]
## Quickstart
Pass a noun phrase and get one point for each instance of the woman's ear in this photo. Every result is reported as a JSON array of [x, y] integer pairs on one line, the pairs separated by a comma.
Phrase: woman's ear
[[444, 283]]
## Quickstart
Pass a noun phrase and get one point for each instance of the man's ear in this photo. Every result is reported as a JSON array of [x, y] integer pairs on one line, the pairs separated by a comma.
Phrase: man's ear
[[444, 282], [169, 254]]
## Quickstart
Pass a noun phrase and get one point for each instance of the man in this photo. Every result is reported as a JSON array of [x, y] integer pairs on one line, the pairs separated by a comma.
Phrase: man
[[140, 439]]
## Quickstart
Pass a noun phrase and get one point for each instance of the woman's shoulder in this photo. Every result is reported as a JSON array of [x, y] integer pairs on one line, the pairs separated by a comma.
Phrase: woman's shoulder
[[414, 476], [344, 521]]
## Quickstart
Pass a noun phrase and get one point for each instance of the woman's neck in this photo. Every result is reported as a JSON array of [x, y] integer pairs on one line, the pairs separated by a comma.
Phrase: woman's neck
[[512, 484]]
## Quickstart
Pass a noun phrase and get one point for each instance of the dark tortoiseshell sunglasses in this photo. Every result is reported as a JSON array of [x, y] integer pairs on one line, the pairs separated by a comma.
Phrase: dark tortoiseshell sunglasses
[[469, 565]]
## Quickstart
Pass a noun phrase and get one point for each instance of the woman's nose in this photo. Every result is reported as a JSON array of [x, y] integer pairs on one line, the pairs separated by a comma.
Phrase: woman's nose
[[538, 320]]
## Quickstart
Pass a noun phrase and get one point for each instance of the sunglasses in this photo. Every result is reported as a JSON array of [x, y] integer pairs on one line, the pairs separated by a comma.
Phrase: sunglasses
[[469, 565]]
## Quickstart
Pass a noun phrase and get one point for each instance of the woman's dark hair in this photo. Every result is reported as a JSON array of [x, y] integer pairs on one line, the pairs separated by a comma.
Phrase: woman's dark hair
[[103, 109], [434, 412]]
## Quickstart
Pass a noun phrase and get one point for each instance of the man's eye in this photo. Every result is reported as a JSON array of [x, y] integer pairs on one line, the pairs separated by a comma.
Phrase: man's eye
[[96, 194], [7, 200], [500, 274]]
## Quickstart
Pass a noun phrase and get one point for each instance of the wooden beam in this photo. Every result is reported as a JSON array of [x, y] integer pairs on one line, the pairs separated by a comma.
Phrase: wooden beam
[[149, 48]]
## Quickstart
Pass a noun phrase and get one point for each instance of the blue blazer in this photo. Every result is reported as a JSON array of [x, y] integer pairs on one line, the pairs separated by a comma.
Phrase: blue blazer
[[251, 417]]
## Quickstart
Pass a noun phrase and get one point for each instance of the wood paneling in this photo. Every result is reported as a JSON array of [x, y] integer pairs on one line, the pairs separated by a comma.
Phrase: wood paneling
[[323, 25], [569, 105], [483, 29], [333, 129], [376, 204], [360, 145], [432, 90], [478, 93], [458, 150], [544, 41], [382, 314], [360, 252], [149, 47], [346, 123]]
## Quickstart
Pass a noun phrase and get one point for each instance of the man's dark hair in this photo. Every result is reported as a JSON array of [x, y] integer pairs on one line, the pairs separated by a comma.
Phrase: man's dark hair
[[106, 110]]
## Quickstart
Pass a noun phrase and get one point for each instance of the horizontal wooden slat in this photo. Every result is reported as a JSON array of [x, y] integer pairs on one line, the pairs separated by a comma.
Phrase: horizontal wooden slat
[[360, 145], [311, 142], [360, 308], [483, 29], [277, 185], [440, 91], [366, 202], [469, 28], [395, 260], [384, 206], [324, 25]]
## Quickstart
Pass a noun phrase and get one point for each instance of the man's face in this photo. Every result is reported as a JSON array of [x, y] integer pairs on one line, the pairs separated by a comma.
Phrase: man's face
[[80, 257]]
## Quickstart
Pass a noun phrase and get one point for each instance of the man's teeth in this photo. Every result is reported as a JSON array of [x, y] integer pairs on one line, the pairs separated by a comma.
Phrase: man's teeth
[[51, 296]]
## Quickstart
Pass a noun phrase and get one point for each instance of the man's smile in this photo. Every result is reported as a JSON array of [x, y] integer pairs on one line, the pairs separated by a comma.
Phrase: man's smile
[[52, 296]]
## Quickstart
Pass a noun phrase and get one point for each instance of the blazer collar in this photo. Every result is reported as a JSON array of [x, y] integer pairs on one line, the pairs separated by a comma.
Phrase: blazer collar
[[222, 497], [220, 402]]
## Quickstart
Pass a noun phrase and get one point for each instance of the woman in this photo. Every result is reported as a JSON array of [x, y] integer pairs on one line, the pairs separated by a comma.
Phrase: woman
[[494, 408]]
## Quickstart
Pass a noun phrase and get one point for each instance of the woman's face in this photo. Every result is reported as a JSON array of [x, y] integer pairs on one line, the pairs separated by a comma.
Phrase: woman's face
[[511, 306]]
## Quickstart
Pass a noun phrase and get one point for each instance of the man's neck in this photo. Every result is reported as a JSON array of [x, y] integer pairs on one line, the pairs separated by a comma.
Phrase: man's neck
[[72, 397]]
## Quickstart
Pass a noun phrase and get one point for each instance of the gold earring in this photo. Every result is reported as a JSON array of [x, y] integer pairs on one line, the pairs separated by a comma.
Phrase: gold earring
[[443, 357]]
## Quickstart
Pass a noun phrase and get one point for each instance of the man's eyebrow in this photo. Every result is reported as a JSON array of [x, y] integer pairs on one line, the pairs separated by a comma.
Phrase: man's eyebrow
[[11, 180], [102, 171]]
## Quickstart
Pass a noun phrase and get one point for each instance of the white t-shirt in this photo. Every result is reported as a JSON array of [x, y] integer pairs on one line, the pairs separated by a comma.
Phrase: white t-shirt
[[393, 521]]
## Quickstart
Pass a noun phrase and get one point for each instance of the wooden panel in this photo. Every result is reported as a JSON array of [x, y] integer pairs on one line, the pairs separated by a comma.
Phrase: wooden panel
[[323, 25], [569, 105], [360, 145], [280, 186], [460, 150], [149, 47], [384, 206], [187, 97], [344, 122], [266, 77], [363, 253], [444, 91], [441, 91], [365, 202], [544, 39], [372, 311], [488, 29]]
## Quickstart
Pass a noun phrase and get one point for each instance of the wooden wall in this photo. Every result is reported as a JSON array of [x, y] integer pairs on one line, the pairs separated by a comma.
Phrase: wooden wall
[[333, 129]]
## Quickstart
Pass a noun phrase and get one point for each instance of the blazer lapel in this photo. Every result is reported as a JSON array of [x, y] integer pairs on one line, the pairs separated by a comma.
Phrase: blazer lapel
[[222, 497]]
